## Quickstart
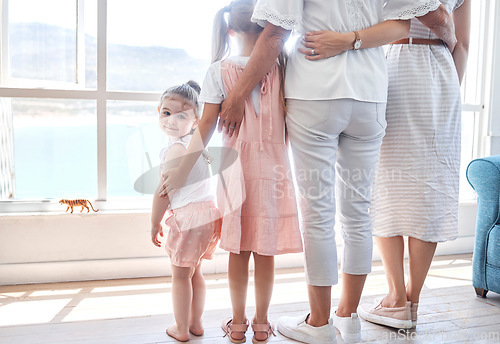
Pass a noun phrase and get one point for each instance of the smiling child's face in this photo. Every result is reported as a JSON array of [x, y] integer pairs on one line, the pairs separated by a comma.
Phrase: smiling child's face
[[176, 119]]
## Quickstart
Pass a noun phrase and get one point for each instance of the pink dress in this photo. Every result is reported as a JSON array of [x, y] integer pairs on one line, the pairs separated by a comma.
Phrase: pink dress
[[265, 221]]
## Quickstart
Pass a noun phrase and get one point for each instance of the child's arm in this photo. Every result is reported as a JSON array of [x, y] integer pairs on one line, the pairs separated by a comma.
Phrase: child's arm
[[161, 204], [176, 177]]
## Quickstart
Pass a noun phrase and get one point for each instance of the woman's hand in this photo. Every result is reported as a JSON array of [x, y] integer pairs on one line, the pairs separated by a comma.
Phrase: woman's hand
[[231, 115], [324, 44], [173, 180], [155, 230]]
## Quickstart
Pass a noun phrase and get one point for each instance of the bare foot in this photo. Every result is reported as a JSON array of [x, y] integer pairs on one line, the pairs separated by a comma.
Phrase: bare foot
[[173, 331], [196, 328]]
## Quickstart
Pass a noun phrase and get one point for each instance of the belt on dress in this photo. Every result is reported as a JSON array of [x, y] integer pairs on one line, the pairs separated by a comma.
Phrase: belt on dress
[[419, 41]]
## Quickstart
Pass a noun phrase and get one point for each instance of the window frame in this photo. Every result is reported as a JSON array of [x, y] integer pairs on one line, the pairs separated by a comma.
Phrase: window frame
[[101, 95]]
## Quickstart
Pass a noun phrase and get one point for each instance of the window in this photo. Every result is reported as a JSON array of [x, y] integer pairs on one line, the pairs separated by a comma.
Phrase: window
[[71, 132], [79, 87], [473, 95]]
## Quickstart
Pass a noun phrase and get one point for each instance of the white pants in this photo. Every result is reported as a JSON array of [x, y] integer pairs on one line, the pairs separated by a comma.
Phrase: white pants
[[335, 146]]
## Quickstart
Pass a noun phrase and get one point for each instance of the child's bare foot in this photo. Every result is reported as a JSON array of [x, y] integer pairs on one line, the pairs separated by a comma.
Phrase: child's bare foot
[[196, 328], [173, 331]]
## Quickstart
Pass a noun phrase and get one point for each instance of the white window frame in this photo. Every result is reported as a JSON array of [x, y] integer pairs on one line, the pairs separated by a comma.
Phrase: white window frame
[[101, 95], [6, 79]]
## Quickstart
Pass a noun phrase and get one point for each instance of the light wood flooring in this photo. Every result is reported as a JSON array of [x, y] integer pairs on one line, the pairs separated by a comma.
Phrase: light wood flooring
[[137, 311]]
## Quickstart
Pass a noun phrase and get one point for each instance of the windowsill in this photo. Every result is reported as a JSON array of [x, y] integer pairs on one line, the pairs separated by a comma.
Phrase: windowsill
[[76, 212], [116, 243]]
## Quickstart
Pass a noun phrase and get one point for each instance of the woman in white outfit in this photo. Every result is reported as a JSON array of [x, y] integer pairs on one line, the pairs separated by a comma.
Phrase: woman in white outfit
[[416, 185], [336, 95]]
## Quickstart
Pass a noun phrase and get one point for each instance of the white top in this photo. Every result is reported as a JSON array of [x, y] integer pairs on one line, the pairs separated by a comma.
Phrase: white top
[[355, 74], [213, 90], [197, 187]]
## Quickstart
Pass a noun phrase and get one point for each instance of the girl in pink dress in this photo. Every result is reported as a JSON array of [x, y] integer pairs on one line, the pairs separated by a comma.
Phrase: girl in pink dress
[[255, 193]]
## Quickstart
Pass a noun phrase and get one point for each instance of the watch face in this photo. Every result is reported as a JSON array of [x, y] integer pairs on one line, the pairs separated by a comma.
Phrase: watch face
[[357, 44]]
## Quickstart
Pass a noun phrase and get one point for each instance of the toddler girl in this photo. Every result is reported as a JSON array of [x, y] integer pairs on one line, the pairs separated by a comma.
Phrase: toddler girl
[[194, 221], [266, 223]]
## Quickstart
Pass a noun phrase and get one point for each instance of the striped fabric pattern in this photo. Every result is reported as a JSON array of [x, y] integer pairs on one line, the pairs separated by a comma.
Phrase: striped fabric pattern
[[416, 184]]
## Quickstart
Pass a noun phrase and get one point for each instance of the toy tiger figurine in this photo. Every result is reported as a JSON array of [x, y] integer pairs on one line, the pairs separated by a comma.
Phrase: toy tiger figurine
[[77, 203]]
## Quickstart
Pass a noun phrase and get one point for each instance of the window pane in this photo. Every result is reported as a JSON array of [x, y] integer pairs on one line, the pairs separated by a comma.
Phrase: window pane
[[55, 148], [156, 44], [134, 143], [468, 131], [42, 40], [471, 85], [90, 29]]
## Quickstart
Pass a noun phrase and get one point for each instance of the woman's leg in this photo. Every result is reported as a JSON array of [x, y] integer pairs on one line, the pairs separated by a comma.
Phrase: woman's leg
[[320, 299], [420, 258], [358, 153], [264, 283], [238, 286], [392, 253], [313, 129], [182, 296], [352, 287], [198, 303]]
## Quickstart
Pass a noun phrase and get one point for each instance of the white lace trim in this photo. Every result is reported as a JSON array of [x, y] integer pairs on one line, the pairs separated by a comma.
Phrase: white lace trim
[[263, 15], [355, 8], [458, 4], [414, 10]]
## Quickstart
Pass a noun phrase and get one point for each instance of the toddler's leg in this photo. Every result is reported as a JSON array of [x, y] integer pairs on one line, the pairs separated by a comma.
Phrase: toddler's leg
[[199, 291], [238, 285], [182, 296], [264, 282]]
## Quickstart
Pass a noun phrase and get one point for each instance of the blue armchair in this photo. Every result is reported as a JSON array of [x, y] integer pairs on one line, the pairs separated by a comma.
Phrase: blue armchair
[[484, 177]]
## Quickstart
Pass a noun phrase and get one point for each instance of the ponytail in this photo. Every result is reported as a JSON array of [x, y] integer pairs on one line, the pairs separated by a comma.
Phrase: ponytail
[[220, 35], [282, 60], [238, 19]]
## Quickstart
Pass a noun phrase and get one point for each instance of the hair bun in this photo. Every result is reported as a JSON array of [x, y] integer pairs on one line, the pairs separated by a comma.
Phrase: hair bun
[[194, 85]]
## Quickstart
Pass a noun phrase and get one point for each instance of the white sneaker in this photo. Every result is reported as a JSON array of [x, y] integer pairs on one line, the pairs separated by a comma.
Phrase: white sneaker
[[349, 327], [297, 328]]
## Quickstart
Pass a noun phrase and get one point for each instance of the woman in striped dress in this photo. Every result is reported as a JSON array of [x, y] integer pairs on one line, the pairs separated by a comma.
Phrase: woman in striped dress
[[416, 184]]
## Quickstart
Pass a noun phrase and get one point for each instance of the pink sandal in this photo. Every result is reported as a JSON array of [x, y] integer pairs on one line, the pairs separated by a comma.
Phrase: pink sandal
[[228, 327], [268, 329]]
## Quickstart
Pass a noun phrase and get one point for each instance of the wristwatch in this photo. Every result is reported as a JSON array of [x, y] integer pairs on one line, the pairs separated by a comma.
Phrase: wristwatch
[[357, 42]]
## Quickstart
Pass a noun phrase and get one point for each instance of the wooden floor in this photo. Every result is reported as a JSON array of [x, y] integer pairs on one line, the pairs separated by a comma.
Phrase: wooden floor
[[139, 310]]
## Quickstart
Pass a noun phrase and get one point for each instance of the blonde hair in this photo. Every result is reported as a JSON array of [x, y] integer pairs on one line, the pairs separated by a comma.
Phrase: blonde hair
[[187, 92], [239, 13]]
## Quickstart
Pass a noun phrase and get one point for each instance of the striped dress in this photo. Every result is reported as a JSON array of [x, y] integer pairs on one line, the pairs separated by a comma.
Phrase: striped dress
[[416, 184]]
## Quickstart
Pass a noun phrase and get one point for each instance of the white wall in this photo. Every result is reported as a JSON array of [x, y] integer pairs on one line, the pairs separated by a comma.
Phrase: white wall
[[58, 247], [492, 103]]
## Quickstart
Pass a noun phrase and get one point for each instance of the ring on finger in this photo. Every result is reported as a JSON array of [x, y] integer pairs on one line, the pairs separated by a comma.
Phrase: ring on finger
[[313, 52]]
